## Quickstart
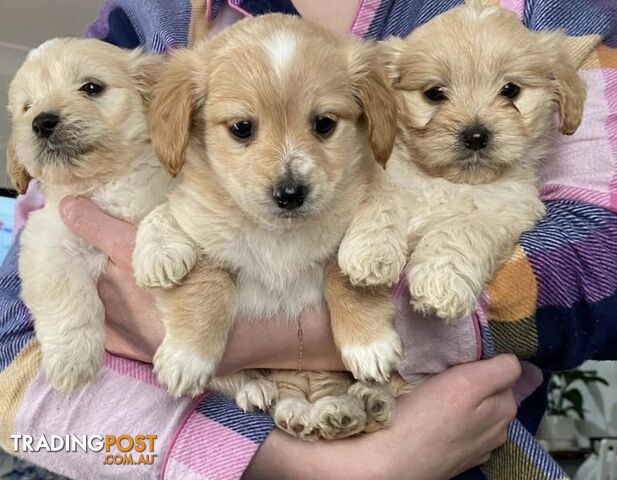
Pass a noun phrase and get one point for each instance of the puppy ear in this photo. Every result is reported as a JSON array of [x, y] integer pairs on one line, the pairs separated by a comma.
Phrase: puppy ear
[[375, 98], [571, 93], [392, 49], [171, 110], [570, 87], [145, 70], [18, 174]]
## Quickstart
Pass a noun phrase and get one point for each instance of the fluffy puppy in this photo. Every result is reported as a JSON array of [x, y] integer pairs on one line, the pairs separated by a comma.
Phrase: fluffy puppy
[[477, 94], [80, 128], [282, 130]]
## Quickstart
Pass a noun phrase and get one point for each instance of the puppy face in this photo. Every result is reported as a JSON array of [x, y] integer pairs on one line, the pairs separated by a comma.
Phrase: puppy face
[[78, 110], [478, 90], [286, 115]]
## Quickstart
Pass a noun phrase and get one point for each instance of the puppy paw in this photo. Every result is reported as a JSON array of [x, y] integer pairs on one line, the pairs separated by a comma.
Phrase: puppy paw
[[375, 361], [338, 416], [257, 394], [378, 404], [182, 372], [163, 264], [440, 290], [293, 416], [76, 361], [372, 260]]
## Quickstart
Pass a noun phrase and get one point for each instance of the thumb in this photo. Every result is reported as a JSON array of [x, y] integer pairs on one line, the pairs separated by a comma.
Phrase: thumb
[[115, 238], [497, 374]]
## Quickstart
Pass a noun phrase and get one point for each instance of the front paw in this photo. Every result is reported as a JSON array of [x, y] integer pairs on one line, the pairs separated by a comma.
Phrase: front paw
[[259, 394], [338, 417], [74, 362], [442, 291], [181, 371], [375, 361], [372, 260], [163, 264]]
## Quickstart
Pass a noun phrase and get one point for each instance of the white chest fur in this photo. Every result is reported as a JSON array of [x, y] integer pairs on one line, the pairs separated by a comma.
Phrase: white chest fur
[[133, 196], [280, 272]]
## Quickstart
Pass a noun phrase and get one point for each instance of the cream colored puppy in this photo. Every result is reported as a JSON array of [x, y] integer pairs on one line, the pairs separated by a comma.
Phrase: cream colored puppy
[[477, 93], [281, 130], [79, 127]]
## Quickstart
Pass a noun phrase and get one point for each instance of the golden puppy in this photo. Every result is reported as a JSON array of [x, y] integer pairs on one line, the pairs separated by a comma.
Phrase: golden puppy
[[79, 128], [281, 130], [477, 93]]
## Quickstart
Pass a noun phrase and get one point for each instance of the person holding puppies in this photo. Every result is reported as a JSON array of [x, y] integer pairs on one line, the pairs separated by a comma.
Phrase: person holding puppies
[[138, 335]]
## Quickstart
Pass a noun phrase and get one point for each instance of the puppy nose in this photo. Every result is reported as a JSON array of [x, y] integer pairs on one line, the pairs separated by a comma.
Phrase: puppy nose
[[475, 138], [44, 124], [289, 195]]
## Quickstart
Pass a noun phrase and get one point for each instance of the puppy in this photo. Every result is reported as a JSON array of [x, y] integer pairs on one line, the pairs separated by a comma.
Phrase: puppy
[[477, 93], [279, 145], [80, 128]]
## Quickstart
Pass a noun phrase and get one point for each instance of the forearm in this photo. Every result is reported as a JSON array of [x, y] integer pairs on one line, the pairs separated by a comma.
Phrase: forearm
[[279, 344]]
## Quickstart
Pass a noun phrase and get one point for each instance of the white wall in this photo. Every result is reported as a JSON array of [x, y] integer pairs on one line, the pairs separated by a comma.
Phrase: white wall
[[25, 24]]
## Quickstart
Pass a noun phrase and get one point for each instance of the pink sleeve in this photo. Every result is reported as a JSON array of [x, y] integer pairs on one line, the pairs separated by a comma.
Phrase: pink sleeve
[[207, 437]]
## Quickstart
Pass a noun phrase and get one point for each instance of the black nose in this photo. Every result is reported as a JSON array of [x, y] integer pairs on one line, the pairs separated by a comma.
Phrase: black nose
[[289, 195], [44, 124], [475, 138]]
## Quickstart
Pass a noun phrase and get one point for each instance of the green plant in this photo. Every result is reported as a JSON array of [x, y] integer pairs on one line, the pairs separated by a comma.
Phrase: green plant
[[563, 394]]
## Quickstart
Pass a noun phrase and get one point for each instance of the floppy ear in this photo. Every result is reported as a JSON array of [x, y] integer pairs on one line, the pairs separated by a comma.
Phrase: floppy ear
[[145, 70], [375, 98], [569, 86], [392, 49], [571, 93], [19, 175], [171, 110]]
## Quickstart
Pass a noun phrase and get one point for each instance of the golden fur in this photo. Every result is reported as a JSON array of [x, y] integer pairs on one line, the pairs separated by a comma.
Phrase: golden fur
[[99, 149], [465, 211], [280, 73], [472, 52], [468, 208]]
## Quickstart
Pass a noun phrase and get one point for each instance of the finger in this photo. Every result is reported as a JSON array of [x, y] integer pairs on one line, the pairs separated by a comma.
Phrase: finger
[[115, 238], [495, 375]]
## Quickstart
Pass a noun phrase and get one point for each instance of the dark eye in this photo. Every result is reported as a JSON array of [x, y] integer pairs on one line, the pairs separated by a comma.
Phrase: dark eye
[[510, 90], [436, 94], [26, 107], [91, 89], [324, 126], [242, 130]]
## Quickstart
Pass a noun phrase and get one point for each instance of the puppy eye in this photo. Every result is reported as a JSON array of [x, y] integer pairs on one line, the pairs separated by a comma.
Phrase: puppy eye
[[436, 94], [324, 126], [242, 130], [510, 90], [91, 89], [26, 107]]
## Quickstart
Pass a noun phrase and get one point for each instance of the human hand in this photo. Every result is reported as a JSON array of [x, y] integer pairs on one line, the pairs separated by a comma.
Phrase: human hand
[[446, 425], [134, 327], [455, 419]]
